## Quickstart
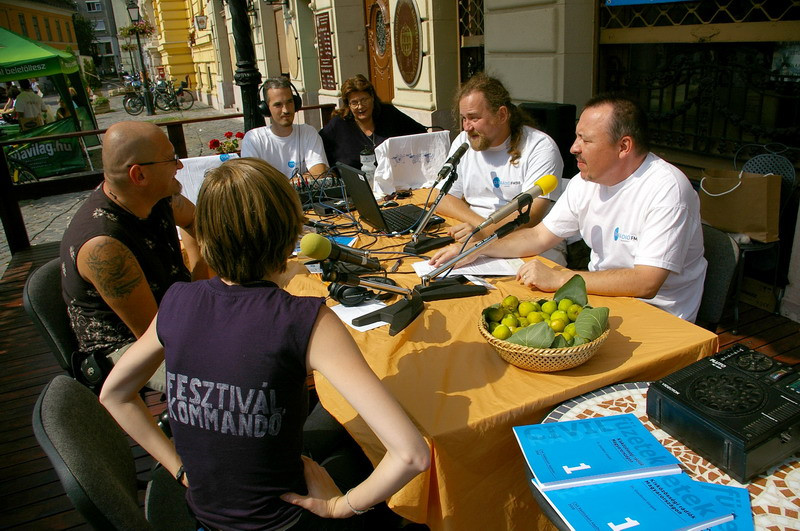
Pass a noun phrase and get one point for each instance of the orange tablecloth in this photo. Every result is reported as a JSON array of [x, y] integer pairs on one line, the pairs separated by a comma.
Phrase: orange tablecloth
[[465, 399]]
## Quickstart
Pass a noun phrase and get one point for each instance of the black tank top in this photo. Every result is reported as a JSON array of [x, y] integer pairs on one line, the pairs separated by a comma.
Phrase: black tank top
[[154, 243]]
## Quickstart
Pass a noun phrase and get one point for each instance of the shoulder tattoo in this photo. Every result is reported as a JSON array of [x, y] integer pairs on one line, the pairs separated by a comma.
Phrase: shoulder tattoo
[[114, 270]]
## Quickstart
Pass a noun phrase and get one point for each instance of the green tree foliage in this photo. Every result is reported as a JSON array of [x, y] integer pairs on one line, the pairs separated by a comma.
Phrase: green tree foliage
[[85, 35]]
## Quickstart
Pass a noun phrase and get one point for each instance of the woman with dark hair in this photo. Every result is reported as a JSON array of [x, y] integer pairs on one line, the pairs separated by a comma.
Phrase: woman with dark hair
[[363, 121]]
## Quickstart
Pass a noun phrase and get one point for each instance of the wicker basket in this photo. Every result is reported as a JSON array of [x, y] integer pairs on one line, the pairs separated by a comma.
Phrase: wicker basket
[[542, 359]]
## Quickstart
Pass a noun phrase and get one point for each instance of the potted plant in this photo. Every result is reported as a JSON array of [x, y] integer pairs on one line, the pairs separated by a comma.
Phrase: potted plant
[[101, 105]]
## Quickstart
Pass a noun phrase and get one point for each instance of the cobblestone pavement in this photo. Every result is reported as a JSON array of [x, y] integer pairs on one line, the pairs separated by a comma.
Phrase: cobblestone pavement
[[48, 217]]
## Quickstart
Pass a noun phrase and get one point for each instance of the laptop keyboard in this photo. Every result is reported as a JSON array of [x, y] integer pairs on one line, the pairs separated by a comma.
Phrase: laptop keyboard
[[404, 217]]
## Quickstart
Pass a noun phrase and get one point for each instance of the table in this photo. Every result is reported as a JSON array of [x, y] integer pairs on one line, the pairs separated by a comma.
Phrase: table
[[465, 399], [774, 495]]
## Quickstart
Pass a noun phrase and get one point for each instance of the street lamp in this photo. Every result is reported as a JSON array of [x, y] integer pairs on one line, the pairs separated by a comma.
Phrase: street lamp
[[133, 13]]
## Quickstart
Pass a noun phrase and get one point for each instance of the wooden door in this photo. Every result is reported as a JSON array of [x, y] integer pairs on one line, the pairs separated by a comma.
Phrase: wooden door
[[379, 44]]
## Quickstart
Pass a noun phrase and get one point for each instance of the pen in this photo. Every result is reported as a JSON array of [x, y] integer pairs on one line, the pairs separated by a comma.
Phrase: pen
[[396, 265]]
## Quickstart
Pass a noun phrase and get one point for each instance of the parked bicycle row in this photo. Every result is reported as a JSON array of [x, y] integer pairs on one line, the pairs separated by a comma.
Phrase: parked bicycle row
[[166, 95]]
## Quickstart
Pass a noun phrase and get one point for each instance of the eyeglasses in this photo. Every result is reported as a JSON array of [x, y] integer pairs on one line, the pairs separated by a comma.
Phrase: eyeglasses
[[175, 158], [363, 102]]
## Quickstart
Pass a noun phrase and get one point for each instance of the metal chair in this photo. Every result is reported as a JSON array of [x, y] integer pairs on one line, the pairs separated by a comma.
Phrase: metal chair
[[770, 162], [722, 255], [93, 460]]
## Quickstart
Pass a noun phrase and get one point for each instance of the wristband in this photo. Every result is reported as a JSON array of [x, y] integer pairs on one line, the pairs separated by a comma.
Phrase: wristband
[[179, 474], [356, 511]]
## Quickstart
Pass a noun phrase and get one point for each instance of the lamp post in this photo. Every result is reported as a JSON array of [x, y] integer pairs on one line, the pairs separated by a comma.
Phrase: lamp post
[[133, 13], [247, 75]]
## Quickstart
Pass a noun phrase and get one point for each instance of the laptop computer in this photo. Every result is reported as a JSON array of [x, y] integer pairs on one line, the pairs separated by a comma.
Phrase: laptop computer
[[389, 220]]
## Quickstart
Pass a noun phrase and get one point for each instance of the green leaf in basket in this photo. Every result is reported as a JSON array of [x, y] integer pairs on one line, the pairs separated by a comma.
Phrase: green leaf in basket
[[578, 340], [538, 335], [591, 323], [573, 289], [560, 342]]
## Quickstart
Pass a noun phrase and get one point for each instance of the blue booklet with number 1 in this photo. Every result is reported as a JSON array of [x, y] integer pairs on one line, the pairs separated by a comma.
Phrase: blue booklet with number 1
[[674, 502], [591, 451]]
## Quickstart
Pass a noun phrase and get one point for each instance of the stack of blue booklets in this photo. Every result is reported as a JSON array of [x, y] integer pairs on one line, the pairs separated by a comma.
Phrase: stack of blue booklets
[[612, 473]]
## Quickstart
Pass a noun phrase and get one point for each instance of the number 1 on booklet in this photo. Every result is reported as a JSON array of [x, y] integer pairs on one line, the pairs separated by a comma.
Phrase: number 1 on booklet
[[591, 451]]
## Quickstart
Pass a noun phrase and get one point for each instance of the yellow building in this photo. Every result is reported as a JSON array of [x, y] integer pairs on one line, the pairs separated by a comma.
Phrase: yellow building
[[170, 47], [204, 51], [41, 21]]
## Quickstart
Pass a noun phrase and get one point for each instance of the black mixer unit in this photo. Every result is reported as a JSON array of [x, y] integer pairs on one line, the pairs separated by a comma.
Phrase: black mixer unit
[[739, 409]]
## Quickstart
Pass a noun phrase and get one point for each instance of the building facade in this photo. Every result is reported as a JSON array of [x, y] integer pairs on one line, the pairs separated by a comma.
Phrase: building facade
[[106, 51], [46, 21]]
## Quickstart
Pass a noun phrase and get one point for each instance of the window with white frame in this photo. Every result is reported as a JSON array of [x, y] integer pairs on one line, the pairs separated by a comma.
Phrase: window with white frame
[[93, 7]]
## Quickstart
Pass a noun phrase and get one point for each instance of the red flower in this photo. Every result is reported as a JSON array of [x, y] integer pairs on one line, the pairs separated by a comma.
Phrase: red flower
[[213, 144], [239, 135], [228, 134]]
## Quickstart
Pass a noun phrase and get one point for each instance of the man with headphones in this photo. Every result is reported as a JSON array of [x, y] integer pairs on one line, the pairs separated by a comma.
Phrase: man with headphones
[[295, 150]]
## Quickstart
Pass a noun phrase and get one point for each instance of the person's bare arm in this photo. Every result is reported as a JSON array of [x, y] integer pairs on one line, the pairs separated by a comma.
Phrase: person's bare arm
[[120, 396], [115, 273], [407, 454], [459, 209], [183, 211], [317, 170], [639, 281], [523, 242]]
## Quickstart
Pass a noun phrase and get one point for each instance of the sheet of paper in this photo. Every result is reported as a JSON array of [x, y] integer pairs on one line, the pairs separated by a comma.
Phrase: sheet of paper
[[483, 266], [348, 313]]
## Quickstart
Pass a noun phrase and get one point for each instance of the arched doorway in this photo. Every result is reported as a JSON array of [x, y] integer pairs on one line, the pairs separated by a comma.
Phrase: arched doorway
[[379, 43]]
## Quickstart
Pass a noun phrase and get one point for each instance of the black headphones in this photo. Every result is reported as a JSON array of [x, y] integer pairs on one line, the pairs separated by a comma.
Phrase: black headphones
[[263, 105], [355, 295]]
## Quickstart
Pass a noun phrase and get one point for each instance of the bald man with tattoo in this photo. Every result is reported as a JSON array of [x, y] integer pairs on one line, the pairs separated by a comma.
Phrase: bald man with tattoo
[[121, 252]]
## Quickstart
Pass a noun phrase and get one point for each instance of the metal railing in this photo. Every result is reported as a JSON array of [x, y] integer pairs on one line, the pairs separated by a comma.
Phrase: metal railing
[[11, 194]]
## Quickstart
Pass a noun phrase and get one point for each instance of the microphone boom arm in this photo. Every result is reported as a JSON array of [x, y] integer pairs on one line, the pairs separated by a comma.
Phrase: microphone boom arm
[[331, 274], [429, 213], [522, 219]]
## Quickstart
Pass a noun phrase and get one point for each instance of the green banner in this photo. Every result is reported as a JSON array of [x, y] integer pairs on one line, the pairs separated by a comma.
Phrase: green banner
[[51, 157]]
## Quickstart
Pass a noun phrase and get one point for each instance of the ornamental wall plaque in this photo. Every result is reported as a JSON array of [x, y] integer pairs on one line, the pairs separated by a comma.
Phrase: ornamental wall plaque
[[408, 41]]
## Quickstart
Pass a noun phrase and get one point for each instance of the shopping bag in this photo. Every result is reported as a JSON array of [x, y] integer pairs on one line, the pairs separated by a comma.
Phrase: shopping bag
[[747, 203]]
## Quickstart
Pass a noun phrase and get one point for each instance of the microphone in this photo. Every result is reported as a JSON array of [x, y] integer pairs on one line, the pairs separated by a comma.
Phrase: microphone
[[321, 248], [452, 162], [543, 186]]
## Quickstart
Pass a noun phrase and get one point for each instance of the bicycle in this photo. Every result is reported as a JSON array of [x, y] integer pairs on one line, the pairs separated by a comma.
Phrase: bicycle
[[20, 172], [133, 103], [168, 98]]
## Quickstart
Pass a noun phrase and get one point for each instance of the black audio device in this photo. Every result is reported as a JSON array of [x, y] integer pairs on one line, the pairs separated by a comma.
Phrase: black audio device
[[739, 409]]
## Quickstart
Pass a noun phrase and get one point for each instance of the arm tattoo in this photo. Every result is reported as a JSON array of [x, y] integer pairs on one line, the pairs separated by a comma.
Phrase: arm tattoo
[[114, 270]]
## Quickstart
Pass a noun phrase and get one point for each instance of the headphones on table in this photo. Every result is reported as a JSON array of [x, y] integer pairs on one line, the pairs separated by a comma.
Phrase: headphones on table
[[355, 295], [263, 105]]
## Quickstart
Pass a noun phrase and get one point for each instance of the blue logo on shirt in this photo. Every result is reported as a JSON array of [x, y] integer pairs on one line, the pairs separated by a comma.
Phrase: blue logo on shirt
[[292, 164], [624, 237], [497, 183]]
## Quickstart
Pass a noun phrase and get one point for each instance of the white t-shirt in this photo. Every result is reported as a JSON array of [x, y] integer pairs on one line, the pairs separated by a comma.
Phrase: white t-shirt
[[292, 154], [486, 179], [651, 218], [29, 105]]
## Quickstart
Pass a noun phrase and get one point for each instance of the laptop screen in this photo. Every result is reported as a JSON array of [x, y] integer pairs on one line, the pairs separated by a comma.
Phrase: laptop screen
[[360, 192]]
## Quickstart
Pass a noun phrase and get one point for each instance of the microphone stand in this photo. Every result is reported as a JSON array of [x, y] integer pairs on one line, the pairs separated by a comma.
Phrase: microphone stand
[[422, 244], [399, 315], [426, 288]]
